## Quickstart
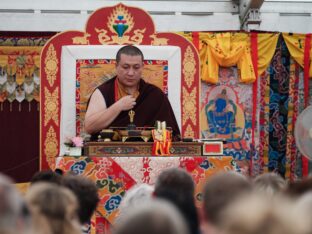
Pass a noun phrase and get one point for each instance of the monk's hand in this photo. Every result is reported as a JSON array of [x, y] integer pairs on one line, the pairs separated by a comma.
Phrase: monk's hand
[[126, 102]]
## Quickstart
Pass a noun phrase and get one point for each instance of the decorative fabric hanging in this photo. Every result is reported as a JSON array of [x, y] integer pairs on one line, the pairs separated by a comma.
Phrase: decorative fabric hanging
[[19, 74], [231, 49], [226, 49], [296, 44]]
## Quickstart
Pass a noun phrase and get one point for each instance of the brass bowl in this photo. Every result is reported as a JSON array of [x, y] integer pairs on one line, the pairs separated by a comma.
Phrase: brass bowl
[[125, 134], [107, 134]]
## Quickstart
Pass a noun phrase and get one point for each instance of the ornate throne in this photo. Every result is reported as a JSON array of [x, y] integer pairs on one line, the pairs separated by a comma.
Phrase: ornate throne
[[70, 59]]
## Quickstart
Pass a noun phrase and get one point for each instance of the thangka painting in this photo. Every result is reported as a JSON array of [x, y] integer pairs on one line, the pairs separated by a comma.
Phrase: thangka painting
[[226, 113]]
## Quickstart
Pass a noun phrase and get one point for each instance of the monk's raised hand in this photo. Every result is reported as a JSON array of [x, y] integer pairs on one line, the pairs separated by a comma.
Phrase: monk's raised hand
[[127, 102]]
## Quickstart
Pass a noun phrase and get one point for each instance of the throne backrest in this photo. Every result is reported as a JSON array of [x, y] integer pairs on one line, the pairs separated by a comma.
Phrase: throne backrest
[[89, 66]]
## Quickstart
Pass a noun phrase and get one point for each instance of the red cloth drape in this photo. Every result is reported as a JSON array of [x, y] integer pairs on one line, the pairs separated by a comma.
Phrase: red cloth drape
[[19, 140]]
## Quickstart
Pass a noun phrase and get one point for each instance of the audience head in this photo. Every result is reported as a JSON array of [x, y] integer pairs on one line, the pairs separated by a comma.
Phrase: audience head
[[300, 187], [303, 207], [46, 176], [154, 217], [54, 209], [86, 192], [258, 214], [270, 183], [220, 190], [136, 195], [177, 186], [305, 201], [174, 183], [14, 215]]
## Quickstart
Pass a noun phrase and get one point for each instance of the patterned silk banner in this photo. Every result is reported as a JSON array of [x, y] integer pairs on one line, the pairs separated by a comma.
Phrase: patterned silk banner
[[19, 73], [281, 100]]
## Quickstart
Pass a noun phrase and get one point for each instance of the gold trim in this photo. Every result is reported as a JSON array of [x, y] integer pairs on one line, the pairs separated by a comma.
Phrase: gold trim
[[51, 106], [189, 132], [189, 105], [189, 67], [51, 145], [158, 41], [138, 36], [81, 40], [102, 37], [51, 65]]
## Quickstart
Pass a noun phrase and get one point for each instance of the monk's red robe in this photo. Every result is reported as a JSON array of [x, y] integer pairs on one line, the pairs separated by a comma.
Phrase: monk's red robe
[[151, 105]]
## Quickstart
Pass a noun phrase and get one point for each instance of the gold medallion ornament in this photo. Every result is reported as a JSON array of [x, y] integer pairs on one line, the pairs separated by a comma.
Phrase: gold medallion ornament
[[50, 144], [51, 65], [189, 105], [51, 106], [120, 23], [189, 132], [189, 66]]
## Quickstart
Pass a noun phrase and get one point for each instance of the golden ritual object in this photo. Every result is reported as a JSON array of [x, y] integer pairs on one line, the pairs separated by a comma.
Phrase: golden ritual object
[[131, 115], [131, 125], [130, 132]]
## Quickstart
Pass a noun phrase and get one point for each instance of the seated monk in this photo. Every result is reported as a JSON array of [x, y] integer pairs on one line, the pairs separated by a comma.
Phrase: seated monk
[[111, 101]]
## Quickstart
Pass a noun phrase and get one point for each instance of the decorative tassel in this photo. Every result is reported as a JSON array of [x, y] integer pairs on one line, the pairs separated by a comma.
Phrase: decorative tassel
[[29, 107], [19, 107]]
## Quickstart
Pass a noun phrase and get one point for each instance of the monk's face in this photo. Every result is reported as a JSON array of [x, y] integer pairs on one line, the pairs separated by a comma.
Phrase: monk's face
[[129, 70]]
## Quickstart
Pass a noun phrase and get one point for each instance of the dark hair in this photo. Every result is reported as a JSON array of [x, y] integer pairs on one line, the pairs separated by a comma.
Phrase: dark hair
[[300, 187], [129, 50], [46, 176], [86, 192], [177, 186]]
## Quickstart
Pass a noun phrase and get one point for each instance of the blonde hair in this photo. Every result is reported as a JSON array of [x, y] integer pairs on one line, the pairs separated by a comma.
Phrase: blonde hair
[[258, 214], [270, 183], [54, 209]]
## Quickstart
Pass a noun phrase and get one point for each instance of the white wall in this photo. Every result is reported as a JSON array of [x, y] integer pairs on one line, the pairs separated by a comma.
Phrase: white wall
[[287, 16], [202, 15], [61, 15]]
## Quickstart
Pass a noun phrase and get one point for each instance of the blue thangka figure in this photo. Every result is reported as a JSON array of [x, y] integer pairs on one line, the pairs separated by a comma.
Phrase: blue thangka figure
[[220, 119]]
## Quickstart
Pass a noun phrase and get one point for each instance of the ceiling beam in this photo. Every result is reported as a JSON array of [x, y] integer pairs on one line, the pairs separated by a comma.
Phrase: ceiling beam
[[249, 13]]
